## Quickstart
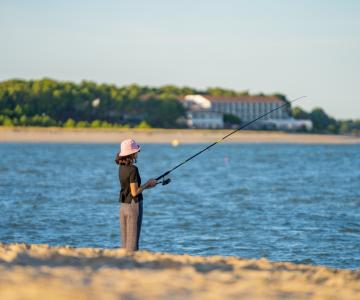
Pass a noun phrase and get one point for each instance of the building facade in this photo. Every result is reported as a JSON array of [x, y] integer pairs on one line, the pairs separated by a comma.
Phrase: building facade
[[205, 119], [207, 112], [290, 124], [247, 108]]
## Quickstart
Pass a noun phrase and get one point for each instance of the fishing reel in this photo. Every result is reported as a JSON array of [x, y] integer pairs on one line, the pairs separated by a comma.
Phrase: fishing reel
[[164, 181]]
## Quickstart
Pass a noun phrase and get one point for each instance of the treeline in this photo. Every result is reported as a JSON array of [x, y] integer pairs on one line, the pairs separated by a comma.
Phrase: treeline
[[48, 102], [323, 123]]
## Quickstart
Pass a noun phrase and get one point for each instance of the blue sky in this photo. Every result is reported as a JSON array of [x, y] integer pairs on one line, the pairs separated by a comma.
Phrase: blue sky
[[297, 48]]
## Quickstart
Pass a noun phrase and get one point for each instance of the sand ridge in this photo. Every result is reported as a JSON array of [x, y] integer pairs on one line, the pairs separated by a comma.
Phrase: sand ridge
[[108, 135], [40, 271]]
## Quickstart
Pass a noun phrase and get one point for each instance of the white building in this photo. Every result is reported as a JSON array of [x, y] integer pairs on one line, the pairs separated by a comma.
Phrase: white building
[[290, 124], [202, 111], [204, 119], [247, 108]]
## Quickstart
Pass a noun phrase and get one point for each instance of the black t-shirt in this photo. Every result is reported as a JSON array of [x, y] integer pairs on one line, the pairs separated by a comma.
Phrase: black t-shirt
[[127, 175]]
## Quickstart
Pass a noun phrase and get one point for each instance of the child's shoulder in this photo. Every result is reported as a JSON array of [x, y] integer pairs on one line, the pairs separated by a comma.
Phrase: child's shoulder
[[133, 168], [128, 167]]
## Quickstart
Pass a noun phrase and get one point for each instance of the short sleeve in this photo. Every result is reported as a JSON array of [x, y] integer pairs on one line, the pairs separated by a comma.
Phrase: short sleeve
[[133, 175]]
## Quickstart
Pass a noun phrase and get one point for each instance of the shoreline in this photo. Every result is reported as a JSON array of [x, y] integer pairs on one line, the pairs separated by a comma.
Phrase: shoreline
[[40, 271], [166, 136]]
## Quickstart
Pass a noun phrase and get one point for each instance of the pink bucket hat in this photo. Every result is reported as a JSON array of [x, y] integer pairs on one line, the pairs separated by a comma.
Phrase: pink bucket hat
[[128, 147]]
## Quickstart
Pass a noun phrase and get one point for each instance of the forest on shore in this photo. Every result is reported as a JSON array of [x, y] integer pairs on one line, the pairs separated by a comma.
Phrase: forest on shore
[[48, 102]]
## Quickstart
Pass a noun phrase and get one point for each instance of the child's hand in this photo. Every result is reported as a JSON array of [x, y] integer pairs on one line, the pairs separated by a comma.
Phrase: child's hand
[[150, 183]]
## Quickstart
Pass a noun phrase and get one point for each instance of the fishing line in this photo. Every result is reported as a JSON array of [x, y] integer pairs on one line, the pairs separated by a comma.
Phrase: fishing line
[[166, 181]]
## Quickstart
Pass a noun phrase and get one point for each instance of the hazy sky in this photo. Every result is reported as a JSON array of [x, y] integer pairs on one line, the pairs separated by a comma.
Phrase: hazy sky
[[297, 48]]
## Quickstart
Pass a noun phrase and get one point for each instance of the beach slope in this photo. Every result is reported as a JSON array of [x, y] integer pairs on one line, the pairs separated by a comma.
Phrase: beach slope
[[167, 136], [44, 272]]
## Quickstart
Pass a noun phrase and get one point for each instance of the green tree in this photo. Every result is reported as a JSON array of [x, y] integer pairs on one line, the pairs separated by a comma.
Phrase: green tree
[[322, 121], [217, 91], [298, 113], [143, 125], [281, 97], [23, 120], [18, 110], [162, 113], [70, 123], [95, 124], [230, 119], [82, 124], [105, 124], [344, 127], [8, 122]]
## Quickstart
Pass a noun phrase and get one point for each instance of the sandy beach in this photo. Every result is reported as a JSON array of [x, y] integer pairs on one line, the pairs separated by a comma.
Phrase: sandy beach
[[44, 272], [88, 135]]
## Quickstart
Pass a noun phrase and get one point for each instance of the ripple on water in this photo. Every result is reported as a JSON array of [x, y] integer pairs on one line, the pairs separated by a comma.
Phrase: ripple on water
[[304, 261], [354, 230]]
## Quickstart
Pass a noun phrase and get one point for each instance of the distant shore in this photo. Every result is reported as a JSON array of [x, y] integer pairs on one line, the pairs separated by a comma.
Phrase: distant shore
[[43, 272], [89, 135]]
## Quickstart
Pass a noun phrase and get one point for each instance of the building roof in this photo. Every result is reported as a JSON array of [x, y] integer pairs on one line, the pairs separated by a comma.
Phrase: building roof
[[262, 99]]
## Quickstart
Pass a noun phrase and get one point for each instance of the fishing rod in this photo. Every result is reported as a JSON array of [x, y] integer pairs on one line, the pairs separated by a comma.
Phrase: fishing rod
[[167, 181]]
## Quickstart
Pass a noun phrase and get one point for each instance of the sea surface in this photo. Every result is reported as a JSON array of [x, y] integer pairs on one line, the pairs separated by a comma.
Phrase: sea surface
[[297, 203]]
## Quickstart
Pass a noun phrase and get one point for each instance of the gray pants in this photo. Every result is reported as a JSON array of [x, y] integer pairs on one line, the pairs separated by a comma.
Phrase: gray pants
[[130, 223]]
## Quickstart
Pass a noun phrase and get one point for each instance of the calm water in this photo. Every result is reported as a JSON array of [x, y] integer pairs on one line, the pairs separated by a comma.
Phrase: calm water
[[298, 203]]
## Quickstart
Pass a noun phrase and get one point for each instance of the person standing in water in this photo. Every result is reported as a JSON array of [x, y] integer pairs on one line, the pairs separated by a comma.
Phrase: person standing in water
[[131, 198]]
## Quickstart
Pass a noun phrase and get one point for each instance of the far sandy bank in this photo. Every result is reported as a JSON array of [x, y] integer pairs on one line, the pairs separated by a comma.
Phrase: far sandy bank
[[89, 135]]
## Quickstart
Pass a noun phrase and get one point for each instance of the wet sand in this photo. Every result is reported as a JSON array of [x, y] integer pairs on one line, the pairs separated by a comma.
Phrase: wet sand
[[88, 135], [44, 272]]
